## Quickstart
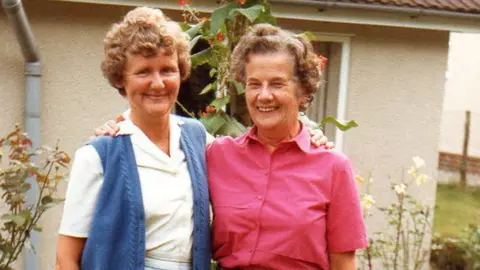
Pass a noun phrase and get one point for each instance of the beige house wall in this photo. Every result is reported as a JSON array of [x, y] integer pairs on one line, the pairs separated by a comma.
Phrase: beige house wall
[[394, 92], [462, 92]]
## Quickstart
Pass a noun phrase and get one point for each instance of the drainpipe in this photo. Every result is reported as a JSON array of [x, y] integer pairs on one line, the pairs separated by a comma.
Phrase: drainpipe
[[32, 74], [412, 11]]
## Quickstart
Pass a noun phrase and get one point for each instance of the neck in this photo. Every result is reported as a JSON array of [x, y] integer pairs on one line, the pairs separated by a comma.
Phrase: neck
[[157, 129], [272, 138]]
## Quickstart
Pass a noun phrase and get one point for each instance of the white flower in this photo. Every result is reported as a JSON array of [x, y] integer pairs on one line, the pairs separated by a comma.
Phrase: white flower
[[360, 180], [421, 179], [400, 188], [419, 162], [367, 201], [412, 171]]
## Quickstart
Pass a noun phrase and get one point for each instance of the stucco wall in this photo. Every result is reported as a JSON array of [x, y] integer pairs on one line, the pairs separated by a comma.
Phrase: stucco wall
[[395, 93], [462, 92], [395, 90], [75, 97]]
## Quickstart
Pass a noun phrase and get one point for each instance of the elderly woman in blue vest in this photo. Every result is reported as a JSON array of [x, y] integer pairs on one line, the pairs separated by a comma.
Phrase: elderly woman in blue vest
[[140, 200]]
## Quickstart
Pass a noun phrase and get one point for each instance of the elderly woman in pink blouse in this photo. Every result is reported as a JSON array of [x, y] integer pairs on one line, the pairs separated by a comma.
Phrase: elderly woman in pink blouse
[[278, 201]]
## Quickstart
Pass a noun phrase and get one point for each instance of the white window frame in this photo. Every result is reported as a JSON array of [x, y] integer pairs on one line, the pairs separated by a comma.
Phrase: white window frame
[[345, 40]]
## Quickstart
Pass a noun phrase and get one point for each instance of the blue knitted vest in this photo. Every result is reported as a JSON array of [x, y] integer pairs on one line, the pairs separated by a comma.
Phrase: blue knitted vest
[[116, 239]]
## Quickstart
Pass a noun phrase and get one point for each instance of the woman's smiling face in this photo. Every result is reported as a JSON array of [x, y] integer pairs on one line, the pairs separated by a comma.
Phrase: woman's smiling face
[[151, 83], [272, 91]]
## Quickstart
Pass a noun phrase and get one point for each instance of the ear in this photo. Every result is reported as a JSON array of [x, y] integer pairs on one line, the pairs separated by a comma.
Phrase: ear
[[119, 84]]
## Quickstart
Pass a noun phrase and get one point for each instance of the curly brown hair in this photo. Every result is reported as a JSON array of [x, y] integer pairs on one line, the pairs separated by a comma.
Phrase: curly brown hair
[[143, 31], [266, 38]]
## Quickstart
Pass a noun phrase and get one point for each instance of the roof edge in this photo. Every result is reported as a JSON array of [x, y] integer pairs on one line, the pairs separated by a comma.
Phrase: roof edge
[[413, 11], [335, 12]]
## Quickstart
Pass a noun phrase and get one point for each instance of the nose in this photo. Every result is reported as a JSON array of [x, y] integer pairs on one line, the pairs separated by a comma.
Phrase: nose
[[157, 81], [265, 93]]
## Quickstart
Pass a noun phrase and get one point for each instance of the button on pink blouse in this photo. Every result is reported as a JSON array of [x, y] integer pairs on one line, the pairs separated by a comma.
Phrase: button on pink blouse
[[282, 210]]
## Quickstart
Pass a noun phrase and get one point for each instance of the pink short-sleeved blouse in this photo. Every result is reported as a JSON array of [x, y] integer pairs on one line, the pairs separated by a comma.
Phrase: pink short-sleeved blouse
[[282, 210]]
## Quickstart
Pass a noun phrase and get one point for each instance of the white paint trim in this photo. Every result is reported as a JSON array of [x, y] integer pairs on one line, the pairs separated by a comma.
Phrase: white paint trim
[[345, 40], [343, 81], [342, 92], [336, 15]]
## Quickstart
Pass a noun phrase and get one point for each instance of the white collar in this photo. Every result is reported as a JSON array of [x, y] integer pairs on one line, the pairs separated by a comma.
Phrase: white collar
[[141, 140]]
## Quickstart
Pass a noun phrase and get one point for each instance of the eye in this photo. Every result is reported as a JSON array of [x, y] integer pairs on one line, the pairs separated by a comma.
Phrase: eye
[[253, 84], [167, 70], [142, 72]]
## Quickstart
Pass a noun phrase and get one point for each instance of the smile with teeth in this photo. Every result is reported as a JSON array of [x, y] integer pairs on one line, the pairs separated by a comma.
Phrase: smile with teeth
[[267, 109]]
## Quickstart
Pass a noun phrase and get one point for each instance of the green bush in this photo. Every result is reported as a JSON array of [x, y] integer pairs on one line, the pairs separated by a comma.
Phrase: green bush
[[452, 252]]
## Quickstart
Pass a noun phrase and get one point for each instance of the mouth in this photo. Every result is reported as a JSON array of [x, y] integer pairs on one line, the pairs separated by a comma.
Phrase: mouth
[[267, 109], [155, 96]]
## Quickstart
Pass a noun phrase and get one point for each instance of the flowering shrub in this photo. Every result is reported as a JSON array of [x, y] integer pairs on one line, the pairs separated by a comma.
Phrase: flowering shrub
[[16, 179], [227, 113], [401, 245]]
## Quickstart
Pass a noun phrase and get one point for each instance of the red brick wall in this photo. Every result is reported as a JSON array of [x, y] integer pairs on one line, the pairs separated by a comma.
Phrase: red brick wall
[[451, 162]]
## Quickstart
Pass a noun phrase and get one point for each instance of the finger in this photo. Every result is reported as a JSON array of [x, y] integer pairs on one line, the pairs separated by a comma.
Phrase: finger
[[111, 124], [99, 131], [111, 127], [119, 118], [318, 134], [322, 140], [319, 142], [330, 145]]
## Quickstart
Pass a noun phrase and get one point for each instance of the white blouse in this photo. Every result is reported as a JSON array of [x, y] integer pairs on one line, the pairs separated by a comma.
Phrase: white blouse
[[166, 190]]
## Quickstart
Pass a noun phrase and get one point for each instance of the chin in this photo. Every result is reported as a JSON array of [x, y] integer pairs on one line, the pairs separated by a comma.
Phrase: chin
[[264, 125], [159, 113]]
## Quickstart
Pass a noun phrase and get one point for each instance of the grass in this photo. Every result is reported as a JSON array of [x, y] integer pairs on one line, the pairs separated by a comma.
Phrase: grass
[[455, 209]]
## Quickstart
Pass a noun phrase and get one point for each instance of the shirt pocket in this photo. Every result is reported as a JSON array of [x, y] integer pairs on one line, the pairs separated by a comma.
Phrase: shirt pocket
[[305, 237], [231, 229]]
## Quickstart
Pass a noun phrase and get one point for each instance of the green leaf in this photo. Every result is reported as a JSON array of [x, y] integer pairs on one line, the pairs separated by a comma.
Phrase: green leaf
[[19, 219], [47, 199], [193, 31], [194, 41], [24, 187], [219, 15], [6, 247], [17, 198], [251, 13], [213, 123], [307, 36], [37, 228], [340, 124], [201, 58], [212, 72], [218, 55], [238, 86], [220, 102], [231, 127], [207, 89], [185, 26], [266, 17]]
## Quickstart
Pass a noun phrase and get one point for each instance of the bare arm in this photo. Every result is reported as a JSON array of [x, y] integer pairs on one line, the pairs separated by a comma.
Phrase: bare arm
[[343, 261], [69, 252]]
